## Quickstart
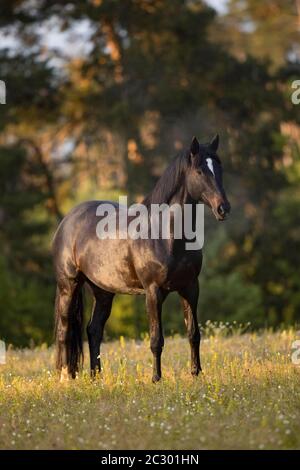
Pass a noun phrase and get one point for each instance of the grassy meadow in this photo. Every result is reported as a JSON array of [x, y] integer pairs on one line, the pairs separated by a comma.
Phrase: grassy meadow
[[248, 397]]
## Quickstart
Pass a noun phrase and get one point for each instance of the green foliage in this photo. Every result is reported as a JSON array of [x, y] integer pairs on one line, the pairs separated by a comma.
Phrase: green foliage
[[27, 287], [230, 298], [128, 317], [26, 309]]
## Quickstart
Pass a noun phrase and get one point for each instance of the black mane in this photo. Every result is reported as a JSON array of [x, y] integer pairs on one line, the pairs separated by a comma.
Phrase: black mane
[[169, 181]]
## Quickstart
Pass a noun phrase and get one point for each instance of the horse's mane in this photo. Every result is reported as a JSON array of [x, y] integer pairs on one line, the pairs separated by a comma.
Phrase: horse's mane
[[169, 181], [172, 177]]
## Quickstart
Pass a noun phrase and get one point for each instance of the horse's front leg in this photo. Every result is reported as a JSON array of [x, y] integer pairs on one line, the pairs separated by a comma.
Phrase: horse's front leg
[[95, 328], [189, 298], [154, 299], [64, 293]]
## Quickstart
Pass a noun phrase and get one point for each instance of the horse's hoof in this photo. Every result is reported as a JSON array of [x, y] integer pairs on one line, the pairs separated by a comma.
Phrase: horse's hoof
[[195, 371], [156, 378], [64, 375], [95, 374]]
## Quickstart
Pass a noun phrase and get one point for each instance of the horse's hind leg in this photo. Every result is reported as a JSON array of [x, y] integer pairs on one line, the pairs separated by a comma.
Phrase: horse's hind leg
[[95, 328], [64, 294]]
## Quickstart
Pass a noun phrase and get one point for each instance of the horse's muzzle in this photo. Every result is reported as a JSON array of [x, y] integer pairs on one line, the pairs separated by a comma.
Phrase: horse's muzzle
[[222, 211]]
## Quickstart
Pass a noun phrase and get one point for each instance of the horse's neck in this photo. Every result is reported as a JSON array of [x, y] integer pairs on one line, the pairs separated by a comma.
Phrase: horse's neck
[[180, 197]]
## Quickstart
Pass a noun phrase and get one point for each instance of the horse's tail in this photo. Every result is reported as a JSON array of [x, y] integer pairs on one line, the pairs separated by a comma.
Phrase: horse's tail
[[74, 343]]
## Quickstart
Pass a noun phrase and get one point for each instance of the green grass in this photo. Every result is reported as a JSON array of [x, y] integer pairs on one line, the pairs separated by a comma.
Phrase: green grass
[[248, 397]]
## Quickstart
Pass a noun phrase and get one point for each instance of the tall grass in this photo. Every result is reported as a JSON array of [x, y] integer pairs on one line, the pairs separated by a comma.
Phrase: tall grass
[[248, 397]]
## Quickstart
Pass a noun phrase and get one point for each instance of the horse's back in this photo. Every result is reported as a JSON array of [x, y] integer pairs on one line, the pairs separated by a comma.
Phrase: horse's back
[[108, 262]]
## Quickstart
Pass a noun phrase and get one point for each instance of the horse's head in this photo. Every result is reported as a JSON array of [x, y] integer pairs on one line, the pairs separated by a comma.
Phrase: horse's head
[[204, 177]]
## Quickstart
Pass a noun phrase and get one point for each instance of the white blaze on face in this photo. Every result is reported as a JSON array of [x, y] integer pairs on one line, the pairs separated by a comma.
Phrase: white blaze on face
[[210, 165]]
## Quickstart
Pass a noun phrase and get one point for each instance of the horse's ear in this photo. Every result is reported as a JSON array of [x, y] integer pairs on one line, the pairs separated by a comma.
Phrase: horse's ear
[[194, 146], [215, 143]]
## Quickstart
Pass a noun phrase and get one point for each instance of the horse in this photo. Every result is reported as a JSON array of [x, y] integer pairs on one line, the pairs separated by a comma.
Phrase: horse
[[153, 267]]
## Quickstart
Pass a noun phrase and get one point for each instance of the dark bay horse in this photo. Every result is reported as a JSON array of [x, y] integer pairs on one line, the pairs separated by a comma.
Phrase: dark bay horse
[[153, 267]]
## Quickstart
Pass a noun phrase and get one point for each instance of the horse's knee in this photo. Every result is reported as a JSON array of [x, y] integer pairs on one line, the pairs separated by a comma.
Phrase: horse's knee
[[156, 345], [61, 335]]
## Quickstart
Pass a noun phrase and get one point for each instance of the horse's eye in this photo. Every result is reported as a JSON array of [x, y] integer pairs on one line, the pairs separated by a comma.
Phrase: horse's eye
[[199, 171]]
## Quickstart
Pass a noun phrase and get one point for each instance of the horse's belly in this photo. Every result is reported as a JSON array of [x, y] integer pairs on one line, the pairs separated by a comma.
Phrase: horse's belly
[[110, 267]]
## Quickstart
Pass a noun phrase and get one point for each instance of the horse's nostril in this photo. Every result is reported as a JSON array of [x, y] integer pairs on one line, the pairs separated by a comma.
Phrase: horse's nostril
[[221, 210]]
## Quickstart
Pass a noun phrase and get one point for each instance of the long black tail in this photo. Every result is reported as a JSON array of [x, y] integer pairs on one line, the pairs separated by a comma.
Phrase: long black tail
[[74, 332]]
